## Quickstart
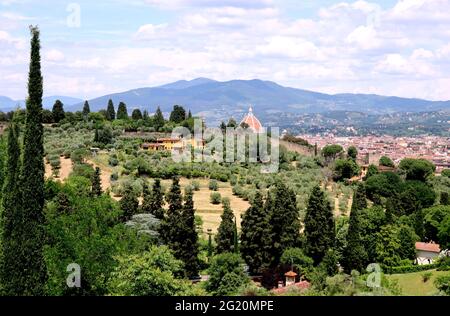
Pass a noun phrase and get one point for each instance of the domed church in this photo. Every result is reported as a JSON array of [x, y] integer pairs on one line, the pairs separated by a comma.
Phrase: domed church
[[252, 122]]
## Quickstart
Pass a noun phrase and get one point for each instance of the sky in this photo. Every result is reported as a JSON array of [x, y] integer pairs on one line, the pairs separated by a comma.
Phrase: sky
[[93, 48]]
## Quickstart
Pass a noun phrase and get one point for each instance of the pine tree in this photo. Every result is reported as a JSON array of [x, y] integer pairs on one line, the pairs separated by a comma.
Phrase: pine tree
[[189, 115], [29, 258], [178, 114], [158, 119], [96, 183], [355, 256], [136, 115], [188, 253], [319, 225], [58, 111], [129, 204], [256, 235], [10, 219], [110, 111], [122, 112], [153, 201], [225, 233], [284, 219], [63, 203], [86, 109]]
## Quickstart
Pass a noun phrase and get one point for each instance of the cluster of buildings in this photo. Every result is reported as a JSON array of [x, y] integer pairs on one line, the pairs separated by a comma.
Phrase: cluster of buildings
[[249, 122], [370, 148]]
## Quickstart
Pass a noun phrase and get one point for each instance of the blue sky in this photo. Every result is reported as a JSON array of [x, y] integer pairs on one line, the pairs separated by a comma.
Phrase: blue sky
[[390, 47]]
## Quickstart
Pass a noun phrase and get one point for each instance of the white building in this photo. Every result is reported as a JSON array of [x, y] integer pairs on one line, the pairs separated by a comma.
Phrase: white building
[[426, 253]]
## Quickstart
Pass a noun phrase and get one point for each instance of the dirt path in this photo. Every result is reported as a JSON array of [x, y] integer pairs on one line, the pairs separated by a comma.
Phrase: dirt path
[[64, 171]]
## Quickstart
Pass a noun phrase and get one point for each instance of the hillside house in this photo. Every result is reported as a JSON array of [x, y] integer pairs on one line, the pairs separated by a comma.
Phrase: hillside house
[[426, 253]]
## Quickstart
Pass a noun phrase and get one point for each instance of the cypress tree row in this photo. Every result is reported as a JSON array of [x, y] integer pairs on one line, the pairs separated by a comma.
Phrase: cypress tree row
[[96, 183], [58, 111], [355, 256], [188, 253], [256, 235], [225, 233], [110, 111], [153, 201], [284, 218], [30, 231], [122, 112], [319, 225], [86, 109], [11, 217]]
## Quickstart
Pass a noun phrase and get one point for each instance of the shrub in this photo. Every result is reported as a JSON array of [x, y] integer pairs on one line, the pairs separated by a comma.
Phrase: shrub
[[213, 185], [226, 275], [113, 161], [426, 276], [195, 185], [215, 198], [114, 176]]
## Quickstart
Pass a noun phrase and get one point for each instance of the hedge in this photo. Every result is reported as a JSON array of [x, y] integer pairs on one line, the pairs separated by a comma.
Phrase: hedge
[[410, 269]]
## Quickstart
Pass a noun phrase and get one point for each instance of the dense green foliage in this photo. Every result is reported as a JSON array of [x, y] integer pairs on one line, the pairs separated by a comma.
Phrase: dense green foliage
[[226, 275], [256, 235], [319, 225], [225, 234]]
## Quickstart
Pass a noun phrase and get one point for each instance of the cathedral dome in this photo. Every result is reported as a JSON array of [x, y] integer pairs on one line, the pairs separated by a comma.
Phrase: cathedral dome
[[253, 123]]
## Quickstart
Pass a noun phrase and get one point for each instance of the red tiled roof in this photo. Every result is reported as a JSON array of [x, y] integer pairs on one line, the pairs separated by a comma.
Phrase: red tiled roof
[[252, 122], [290, 274], [428, 247], [303, 285]]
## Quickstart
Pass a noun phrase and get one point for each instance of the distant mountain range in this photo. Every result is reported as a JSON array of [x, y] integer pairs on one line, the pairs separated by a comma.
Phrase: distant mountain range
[[8, 104], [218, 100]]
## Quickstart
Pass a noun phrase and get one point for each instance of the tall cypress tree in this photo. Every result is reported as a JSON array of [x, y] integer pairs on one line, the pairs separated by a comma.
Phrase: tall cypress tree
[[129, 204], [225, 233], [153, 201], [96, 183], [256, 235], [58, 111], [110, 111], [188, 253], [158, 119], [11, 217], [319, 225], [170, 225], [284, 218], [86, 109], [355, 256], [122, 112], [30, 259]]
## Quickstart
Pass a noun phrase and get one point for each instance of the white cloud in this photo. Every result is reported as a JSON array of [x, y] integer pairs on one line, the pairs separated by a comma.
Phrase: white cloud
[[54, 55], [351, 46]]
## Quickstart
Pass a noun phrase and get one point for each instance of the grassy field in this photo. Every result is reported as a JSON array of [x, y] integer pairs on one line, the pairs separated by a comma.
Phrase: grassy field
[[412, 283]]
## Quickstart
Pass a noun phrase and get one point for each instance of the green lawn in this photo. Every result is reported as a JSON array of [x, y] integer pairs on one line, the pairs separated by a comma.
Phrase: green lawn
[[412, 283]]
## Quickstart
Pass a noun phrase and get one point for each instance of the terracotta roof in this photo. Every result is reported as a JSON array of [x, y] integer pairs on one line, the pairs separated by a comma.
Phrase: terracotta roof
[[290, 274], [302, 285], [252, 122], [428, 247]]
